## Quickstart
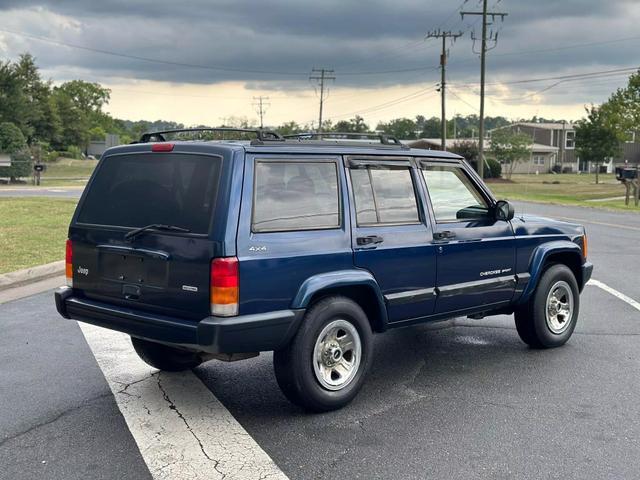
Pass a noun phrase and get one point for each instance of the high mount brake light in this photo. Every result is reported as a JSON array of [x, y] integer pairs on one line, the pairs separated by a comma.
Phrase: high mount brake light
[[68, 263], [224, 286], [162, 147]]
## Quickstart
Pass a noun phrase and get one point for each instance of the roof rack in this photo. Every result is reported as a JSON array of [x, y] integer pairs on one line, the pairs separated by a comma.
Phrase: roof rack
[[383, 138], [261, 135]]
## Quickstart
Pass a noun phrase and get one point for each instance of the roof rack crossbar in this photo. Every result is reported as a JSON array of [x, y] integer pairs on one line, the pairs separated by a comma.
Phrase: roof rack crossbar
[[261, 135], [384, 138]]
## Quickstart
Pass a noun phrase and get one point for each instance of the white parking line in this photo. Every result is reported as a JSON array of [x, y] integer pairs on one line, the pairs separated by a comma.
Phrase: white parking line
[[182, 430], [615, 293]]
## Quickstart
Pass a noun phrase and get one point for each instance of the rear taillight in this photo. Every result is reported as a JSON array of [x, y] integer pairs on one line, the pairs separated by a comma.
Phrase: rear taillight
[[225, 285], [68, 263]]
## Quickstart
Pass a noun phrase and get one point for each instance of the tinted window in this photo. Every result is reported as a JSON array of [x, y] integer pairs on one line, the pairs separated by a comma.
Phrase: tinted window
[[137, 190], [452, 194], [384, 196], [295, 196]]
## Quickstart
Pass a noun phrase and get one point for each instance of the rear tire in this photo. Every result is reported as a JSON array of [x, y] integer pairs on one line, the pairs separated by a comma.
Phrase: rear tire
[[164, 357], [324, 366], [548, 319]]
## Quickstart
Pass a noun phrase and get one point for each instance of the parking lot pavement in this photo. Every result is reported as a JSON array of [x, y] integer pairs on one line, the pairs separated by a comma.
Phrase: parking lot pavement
[[62, 192], [468, 400], [59, 419], [458, 399], [614, 246]]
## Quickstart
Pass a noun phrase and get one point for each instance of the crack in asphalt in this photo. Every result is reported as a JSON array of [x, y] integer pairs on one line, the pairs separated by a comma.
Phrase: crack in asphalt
[[173, 407], [90, 402]]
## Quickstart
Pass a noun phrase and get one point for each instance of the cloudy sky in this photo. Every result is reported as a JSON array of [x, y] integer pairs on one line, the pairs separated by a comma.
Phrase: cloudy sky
[[205, 60]]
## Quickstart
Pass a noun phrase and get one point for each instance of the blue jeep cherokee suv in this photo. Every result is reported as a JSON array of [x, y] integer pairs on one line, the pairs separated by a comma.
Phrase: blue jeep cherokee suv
[[306, 246]]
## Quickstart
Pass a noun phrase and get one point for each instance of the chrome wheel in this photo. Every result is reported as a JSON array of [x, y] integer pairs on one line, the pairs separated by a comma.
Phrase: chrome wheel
[[559, 308], [336, 355]]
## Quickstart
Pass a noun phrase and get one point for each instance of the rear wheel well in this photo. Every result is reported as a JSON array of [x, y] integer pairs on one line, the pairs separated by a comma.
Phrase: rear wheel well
[[570, 259], [363, 295]]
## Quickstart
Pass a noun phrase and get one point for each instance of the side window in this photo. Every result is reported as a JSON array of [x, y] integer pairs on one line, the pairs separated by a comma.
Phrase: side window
[[384, 196], [295, 196], [453, 195]]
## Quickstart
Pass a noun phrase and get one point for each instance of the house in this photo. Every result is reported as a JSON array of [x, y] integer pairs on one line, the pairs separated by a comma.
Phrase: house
[[562, 135], [541, 160]]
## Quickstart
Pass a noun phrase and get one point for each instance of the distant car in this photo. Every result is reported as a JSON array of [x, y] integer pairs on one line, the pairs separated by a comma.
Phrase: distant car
[[91, 157], [306, 247]]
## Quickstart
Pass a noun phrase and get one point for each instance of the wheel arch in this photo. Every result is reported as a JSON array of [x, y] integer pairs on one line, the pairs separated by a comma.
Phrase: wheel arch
[[563, 252], [357, 285]]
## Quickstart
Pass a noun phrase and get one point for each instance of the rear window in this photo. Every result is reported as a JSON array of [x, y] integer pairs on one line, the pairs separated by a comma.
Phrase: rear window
[[138, 190]]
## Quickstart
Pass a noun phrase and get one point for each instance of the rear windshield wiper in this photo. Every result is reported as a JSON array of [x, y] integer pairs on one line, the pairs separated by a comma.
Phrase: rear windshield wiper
[[154, 226]]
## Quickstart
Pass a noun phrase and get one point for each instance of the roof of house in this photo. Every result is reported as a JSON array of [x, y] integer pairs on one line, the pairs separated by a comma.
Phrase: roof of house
[[436, 142], [547, 125]]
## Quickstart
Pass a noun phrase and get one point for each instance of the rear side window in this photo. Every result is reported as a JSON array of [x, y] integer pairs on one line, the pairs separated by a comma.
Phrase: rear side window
[[141, 189], [295, 196], [384, 196]]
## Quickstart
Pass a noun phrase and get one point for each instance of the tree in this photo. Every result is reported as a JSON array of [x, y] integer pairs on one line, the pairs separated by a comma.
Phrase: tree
[[510, 147], [289, 128], [355, 125], [401, 128], [596, 139], [622, 111], [80, 108], [12, 141], [466, 149], [42, 119]]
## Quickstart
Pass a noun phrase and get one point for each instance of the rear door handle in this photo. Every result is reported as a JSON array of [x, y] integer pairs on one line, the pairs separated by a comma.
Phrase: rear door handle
[[444, 235], [369, 240]]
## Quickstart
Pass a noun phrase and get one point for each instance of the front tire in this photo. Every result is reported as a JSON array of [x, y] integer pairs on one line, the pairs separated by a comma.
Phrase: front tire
[[164, 357], [548, 319], [324, 366]]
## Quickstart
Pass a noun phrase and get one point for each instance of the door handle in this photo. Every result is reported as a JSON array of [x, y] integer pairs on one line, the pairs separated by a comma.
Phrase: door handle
[[369, 240], [444, 235]]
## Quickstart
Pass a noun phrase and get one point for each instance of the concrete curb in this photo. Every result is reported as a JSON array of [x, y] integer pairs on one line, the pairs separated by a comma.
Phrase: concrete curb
[[30, 275]]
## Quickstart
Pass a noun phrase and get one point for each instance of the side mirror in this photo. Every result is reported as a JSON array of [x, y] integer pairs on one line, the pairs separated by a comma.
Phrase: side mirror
[[504, 210]]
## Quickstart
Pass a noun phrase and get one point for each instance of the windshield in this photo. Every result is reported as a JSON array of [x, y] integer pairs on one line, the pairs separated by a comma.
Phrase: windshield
[[137, 190]]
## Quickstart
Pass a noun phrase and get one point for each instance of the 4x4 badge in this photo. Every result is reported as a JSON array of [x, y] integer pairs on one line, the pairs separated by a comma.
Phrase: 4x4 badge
[[258, 248]]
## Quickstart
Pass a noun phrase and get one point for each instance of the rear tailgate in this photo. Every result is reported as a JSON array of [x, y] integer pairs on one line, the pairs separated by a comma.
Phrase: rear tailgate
[[159, 271]]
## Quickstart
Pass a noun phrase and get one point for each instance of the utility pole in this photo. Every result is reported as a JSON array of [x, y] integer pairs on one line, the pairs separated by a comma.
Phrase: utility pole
[[483, 52], [321, 75], [260, 104], [443, 81]]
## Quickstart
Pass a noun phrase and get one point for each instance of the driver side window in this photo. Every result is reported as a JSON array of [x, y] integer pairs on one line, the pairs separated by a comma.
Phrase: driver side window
[[452, 194]]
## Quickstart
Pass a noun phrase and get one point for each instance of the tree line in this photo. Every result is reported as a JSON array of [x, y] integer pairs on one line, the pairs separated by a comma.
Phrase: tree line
[[37, 117]]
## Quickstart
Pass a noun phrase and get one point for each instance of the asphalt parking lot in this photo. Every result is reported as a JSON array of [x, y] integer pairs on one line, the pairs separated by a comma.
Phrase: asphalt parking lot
[[458, 399]]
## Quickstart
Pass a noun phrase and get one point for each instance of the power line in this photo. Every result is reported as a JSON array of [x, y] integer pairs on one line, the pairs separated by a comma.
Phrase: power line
[[483, 53], [223, 68], [559, 77], [389, 103], [443, 65], [321, 75], [260, 104]]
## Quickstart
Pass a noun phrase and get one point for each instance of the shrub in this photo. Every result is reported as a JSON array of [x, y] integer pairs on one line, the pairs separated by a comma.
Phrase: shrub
[[494, 169]]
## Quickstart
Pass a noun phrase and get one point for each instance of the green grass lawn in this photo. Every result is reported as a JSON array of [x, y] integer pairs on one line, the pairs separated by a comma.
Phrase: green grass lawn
[[33, 231], [66, 171], [565, 189]]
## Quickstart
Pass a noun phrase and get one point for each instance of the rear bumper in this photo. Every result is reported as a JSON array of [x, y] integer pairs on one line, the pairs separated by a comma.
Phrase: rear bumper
[[246, 333]]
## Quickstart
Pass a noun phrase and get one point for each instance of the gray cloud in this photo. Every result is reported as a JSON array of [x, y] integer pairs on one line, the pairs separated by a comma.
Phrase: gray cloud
[[291, 37]]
